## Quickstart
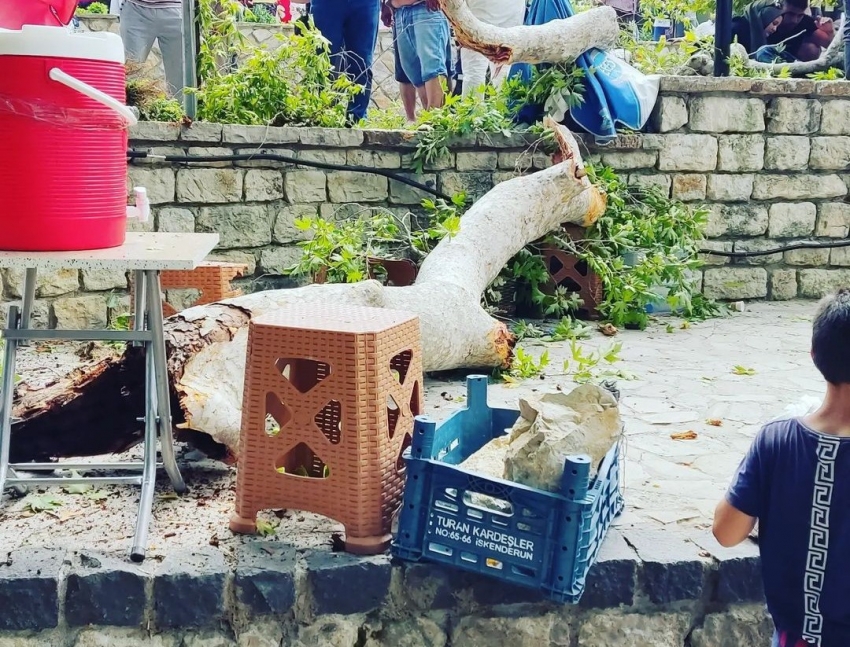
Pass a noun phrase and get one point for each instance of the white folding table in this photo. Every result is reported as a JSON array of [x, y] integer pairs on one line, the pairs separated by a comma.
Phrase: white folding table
[[144, 254]]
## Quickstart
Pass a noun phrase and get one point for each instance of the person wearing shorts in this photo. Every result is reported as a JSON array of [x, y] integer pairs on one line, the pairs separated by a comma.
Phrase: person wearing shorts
[[422, 41], [406, 89]]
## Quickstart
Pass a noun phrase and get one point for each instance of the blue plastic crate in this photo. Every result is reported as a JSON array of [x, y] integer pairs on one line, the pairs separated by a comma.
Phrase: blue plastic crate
[[538, 539]]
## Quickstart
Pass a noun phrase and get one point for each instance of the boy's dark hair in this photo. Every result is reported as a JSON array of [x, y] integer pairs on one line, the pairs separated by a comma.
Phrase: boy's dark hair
[[798, 4], [831, 338]]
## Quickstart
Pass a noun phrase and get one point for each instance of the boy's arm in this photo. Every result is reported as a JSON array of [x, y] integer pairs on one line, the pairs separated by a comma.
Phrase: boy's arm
[[731, 526], [736, 515]]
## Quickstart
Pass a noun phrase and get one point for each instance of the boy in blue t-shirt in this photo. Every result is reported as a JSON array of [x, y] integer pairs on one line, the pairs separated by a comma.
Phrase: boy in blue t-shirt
[[795, 480]]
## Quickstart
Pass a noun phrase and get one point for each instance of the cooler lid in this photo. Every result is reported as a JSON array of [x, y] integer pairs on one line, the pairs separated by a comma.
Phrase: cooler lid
[[14, 14], [58, 42]]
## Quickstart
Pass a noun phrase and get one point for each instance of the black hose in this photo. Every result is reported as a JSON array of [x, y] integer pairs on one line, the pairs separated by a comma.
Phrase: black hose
[[827, 244], [274, 157]]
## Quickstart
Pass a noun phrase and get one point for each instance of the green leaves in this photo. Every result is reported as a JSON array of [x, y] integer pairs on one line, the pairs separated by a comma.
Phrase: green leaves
[[341, 249], [743, 370], [525, 366], [266, 528], [293, 85], [42, 503], [584, 364], [460, 115], [644, 249]]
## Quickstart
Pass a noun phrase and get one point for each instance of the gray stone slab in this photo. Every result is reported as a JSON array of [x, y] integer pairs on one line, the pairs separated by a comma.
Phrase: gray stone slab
[[29, 589], [265, 577], [673, 569], [103, 590], [342, 583], [189, 588]]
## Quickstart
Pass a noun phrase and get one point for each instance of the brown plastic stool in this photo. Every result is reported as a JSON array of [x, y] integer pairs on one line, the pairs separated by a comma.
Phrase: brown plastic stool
[[211, 278], [330, 397]]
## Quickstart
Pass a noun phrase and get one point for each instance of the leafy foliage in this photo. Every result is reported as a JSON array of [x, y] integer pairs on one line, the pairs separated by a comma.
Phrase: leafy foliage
[[261, 13], [94, 9], [651, 57], [525, 366], [339, 251], [663, 238], [292, 85], [153, 102], [832, 74], [459, 116]]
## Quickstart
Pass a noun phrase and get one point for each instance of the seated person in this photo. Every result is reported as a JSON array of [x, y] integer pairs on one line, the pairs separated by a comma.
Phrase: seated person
[[760, 20], [802, 36]]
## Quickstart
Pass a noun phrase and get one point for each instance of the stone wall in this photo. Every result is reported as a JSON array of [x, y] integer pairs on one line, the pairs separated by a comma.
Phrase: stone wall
[[648, 589], [769, 157]]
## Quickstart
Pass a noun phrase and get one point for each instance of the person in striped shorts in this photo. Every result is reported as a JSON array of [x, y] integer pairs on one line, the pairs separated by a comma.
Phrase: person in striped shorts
[[146, 21]]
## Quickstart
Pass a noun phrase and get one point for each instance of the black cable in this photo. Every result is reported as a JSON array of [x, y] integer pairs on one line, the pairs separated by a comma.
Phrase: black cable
[[830, 244], [274, 157]]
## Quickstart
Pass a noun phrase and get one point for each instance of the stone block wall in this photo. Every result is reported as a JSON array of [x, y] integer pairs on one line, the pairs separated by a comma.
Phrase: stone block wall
[[770, 158]]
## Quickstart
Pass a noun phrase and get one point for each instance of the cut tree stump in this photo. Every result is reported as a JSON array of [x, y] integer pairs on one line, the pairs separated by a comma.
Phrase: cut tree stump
[[94, 410]]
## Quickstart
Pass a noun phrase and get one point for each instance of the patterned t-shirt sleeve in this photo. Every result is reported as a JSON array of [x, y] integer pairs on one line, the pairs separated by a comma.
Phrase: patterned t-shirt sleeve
[[745, 492]]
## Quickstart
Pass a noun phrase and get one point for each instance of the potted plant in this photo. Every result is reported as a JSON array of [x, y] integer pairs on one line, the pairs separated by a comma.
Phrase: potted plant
[[376, 245]]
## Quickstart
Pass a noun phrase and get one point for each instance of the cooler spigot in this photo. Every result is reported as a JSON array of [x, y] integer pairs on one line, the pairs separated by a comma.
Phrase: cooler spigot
[[142, 209]]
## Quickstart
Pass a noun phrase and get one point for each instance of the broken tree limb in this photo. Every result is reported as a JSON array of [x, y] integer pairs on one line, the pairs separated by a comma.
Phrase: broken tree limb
[[833, 56], [558, 41], [206, 345]]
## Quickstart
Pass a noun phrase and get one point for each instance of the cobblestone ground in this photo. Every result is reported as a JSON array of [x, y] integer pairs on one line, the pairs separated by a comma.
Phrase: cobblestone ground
[[683, 380]]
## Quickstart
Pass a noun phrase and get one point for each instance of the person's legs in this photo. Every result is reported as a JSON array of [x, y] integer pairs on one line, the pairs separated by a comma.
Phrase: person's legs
[[405, 87], [329, 17], [359, 34], [474, 71], [431, 35], [138, 31], [408, 100], [405, 46], [169, 23]]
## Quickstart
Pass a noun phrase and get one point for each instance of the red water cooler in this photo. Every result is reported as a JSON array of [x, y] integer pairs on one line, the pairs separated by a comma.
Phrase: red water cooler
[[63, 132]]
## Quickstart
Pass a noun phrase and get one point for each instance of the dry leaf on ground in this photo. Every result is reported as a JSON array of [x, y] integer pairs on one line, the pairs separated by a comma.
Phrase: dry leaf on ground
[[684, 435]]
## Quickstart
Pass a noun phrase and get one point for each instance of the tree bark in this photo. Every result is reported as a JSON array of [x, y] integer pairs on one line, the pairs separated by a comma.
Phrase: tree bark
[[559, 41], [206, 345]]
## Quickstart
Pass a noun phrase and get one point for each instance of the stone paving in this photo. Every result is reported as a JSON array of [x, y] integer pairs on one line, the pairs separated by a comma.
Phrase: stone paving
[[683, 380], [686, 380]]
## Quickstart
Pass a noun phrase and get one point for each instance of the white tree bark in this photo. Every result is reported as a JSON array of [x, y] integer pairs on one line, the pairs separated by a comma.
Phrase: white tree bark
[[559, 41], [456, 331]]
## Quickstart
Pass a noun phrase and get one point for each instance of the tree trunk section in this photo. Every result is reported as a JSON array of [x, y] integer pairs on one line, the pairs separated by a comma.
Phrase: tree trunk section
[[559, 41]]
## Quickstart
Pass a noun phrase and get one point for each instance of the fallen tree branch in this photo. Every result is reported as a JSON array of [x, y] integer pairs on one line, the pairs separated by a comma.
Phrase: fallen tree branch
[[832, 56], [558, 41], [206, 345]]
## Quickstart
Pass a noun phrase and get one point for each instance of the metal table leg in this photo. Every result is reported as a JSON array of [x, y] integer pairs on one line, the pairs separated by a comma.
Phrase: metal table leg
[[29, 298], [139, 308], [6, 395], [163, 395], [140, 538]]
